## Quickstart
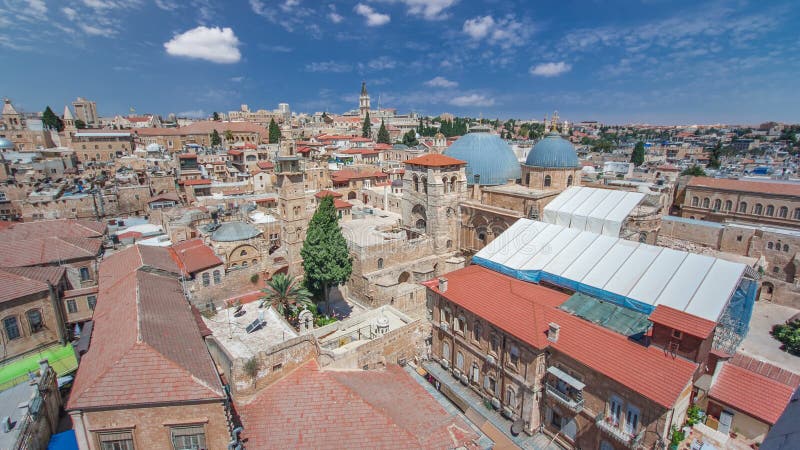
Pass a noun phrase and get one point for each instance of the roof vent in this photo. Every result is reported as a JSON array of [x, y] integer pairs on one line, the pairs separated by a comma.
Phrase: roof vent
[[552, 332], [442, 284]]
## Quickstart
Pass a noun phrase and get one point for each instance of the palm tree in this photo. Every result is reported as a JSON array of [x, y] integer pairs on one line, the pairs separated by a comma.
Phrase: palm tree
[[284, 293]]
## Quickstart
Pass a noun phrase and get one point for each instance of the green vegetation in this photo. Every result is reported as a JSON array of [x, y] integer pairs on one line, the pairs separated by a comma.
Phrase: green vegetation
[[215, 117], [603, 145], [274, 132], [51, 121], [228, 136], [216, 140], [531, 130], [692, 415], [695, 171], [366, 128], [789, 335], [410, 138], [637, 157], [251, 368], [716, 152], [79, 124], [326, 259], [455, 127], [677, 437], [383, 135], [286, 294], [254, 278], [426, 130]]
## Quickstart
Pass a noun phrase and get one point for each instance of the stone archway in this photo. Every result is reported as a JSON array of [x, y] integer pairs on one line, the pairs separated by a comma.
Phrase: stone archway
[[767, 290], [351, 195]]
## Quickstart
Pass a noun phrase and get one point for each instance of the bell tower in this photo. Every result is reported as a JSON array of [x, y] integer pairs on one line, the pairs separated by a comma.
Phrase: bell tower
[[433, 187], [292, 208], [363, 100]]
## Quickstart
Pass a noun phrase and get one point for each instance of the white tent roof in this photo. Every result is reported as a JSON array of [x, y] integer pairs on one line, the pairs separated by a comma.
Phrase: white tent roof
[[601, 211], [697, 284]]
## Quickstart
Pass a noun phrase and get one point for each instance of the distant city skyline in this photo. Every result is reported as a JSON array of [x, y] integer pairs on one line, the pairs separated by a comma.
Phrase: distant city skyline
[[652, 61]]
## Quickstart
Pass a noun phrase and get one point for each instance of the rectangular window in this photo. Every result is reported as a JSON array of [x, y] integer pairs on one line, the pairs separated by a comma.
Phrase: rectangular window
[[120, 440], [12, 327], [615, 410], [188, 438], [84, 274], [72, 307], [631, 420], [677, 334], [92, 300], [556, 420]]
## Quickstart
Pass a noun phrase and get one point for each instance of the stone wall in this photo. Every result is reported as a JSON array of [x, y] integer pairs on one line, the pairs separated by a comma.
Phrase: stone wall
[[394, 347]]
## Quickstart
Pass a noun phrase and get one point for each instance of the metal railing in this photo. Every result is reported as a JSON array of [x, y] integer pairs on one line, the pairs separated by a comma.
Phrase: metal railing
[[575, 405], [606, 425]]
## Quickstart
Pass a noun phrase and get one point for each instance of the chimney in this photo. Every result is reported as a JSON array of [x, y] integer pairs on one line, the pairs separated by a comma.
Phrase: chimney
[[442, 284], [552, 332]]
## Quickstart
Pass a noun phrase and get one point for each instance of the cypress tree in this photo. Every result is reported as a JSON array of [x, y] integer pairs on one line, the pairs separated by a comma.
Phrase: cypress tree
[[637, 157], [366, 128], [274, 132], [383, 135], [216, 140], [51, 120], [326, 259]]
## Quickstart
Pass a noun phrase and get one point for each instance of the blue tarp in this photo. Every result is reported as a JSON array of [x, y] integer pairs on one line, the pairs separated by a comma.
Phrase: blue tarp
[[63, 441]]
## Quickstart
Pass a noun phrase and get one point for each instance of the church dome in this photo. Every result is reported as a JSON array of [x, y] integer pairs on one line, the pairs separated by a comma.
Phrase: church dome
[[234, 231], [5, 144], [553, 152], [488, 156]]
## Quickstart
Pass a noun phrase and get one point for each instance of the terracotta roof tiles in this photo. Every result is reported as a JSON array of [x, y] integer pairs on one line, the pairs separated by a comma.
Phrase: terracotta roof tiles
[[682, 321], [435, 160], [751, 393]]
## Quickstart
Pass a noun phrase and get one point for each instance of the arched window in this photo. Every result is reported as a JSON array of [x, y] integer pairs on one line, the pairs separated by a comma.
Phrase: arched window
[[743, 207], [206, 279], [425, 184], [416, 183], [244, 264], [476, 373], [445, 350], [547, 181], [783, 212], [706, 202], [35, 320], [511, 398], [769, 245], [243, 253], [445, 184], [460, 361], [569, 180], [453, 181], [695, 201], [786, 247], [758, 209], [513, 355], [217, 277], [449, 243], [728, 205], [770, 210], [461, 324], [380, 263], [717, 204]]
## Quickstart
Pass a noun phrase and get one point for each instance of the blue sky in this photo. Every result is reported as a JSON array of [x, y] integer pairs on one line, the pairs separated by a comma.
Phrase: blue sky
[[654, 61]]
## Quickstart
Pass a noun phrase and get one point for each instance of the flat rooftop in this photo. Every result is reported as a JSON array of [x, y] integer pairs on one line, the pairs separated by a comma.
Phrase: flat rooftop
[[341, 337], [230, 330], [373, 229]]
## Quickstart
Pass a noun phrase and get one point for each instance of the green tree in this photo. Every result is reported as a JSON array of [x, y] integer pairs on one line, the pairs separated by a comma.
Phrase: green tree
[[789, 335], [274, 132], [215, 116], [326, 259], [366, 128], [285, 294], [251, 368], [51, 120], [695, 171], [216, 140], [79, 124], [410, 138], [228, 136], [637, 157], [716, 152], [383, 135]]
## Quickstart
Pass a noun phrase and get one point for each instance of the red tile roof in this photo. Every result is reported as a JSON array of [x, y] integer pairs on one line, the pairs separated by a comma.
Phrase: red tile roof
[[265, 165], [47, 250], [758, 187], [347, 174], [187, 156], [341, 204], [146, 347], [20, 282], [78, 292], [481, 290], [751, 393], [682, 321], [770, 371], [234, 152], [435, 160], [377, 409], [327, 193], [17, 231], [194, 256], [199, 182]]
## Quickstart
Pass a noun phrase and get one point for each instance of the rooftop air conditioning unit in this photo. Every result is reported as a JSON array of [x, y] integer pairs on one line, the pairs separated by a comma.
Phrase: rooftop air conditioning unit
[[456, 373], [445, 363]]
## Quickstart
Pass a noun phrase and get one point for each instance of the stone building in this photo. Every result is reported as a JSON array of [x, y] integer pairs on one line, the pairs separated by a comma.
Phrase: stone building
[[102, 146]]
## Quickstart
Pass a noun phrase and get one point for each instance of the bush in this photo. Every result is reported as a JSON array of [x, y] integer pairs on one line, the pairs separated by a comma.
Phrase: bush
[[254, 278], [677, 436], [692, 415], [789, 335]]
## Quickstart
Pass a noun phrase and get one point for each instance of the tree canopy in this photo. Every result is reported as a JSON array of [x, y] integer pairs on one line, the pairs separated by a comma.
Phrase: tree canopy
[[285, 294], [383, 135], [637, 157], [274, 132], [366, 127], [695, 171], [326, 259], [215, 138], [51, 120], [215, 116], [410, 138], [79, 124]]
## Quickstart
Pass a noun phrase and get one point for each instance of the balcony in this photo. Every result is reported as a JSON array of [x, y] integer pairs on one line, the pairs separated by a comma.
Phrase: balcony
[[573, 404], [606, 425]]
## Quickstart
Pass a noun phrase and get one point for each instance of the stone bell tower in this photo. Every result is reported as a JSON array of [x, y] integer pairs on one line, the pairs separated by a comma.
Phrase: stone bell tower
[[363, 100], [292, 208]]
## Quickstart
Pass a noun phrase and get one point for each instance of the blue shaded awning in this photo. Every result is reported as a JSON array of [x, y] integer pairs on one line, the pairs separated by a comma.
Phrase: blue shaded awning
[[63, 441]]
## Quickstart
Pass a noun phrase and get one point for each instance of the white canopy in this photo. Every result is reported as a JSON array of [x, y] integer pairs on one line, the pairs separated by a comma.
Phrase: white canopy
[[601, 211], [614, 268]]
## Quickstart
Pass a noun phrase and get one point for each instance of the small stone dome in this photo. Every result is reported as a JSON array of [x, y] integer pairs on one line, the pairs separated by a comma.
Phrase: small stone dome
[[5, 144], [234, 231], [488, 156], [553, 152]]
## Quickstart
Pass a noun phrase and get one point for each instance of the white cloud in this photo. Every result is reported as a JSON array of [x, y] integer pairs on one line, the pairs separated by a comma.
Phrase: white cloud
[[37, 7], [328, 66], [441, 82], [551, 69], [194, 113], [472, 100], [96, 31], [381, 63], [479, 27], [167, 5], [70, 13], [218, 45], [335, 17], [427, 9], [237, 79], [374, 18]]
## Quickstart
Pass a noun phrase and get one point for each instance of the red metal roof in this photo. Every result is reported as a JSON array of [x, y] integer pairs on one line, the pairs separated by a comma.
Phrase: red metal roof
[[751, 393], [682, 321], [646, 370], [435, 160], [375, 409], [194, 256]]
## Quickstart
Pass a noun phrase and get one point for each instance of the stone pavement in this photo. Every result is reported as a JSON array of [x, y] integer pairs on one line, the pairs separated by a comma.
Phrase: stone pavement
[[760, 344]]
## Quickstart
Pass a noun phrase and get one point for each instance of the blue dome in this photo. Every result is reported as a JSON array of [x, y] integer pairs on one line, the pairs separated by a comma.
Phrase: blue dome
[[234, 231], [553, 152], [488, 156], [5, 144]]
